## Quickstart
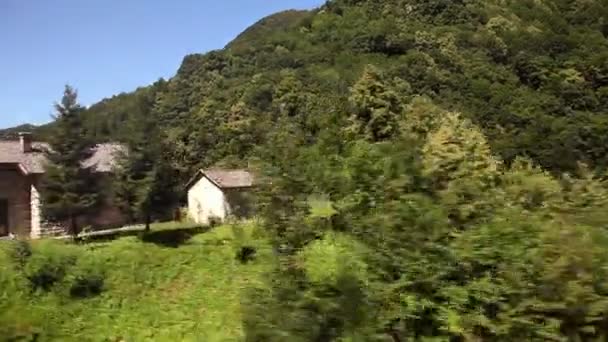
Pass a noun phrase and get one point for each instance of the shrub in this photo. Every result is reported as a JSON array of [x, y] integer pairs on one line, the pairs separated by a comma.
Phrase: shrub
[[335, 256], [16, 316], [86, 280], [246, 254], [48, 265], [214, 221]]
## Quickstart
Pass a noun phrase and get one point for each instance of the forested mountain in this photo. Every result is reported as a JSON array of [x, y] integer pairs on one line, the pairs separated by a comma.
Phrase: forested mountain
[[12, 133], [532, 74], [437, 167]]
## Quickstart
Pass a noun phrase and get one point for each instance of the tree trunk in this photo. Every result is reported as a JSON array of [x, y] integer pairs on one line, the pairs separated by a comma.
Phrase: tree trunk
[[73, 227], [394, 336], [148, 220]]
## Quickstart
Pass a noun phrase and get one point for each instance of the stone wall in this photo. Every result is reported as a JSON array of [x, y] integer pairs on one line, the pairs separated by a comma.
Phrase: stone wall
[[24, 211], [107, 215], [36, 217], [15, 187]]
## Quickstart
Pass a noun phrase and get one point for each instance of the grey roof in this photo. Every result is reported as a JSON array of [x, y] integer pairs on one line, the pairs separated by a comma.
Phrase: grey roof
[[103, 159], [33, 162], [225, 179]]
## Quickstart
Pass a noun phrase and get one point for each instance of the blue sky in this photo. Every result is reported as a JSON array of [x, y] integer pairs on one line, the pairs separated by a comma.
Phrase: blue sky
[[104, 47]]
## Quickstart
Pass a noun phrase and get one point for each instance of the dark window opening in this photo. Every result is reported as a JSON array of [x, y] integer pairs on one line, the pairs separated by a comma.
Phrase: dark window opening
[[3, 217]]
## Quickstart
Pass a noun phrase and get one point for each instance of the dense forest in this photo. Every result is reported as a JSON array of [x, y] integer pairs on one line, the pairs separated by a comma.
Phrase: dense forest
[[436, 168], [532, 75]]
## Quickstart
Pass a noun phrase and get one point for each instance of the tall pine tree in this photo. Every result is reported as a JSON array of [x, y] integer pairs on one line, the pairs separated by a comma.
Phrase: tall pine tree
[[69, 188]]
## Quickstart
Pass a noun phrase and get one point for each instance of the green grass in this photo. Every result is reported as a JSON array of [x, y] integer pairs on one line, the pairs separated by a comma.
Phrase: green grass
[[152, 291]]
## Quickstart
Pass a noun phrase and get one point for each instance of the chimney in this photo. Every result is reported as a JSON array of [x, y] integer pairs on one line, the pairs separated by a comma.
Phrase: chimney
[[25, 138]]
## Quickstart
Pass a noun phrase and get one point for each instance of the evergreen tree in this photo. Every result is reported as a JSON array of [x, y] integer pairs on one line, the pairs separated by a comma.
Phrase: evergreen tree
[[143, 186], [69, 187], [377, 107]]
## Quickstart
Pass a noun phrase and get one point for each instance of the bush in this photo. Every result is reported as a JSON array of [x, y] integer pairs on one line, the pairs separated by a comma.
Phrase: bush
[[335, 256], [48, 265], [87, 278], [246, 254], [87, 281], [214, 221]]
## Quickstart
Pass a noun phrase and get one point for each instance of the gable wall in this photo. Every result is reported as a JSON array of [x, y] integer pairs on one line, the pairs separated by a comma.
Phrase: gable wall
[[206, 200]]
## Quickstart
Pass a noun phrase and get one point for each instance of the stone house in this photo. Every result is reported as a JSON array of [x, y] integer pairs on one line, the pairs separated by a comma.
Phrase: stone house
[[218, 194], [21, 170]]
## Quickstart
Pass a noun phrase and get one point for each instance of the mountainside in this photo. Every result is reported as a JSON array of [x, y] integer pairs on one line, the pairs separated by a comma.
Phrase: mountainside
[[533, 74], [257, 33], [13, 132]]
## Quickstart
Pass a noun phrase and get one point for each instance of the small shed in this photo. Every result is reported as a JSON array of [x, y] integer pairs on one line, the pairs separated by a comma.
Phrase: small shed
[[218, 194]]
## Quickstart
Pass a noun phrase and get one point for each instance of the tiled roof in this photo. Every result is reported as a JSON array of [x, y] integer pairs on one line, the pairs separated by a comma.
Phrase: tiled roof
[[227, 179], [103, 159]]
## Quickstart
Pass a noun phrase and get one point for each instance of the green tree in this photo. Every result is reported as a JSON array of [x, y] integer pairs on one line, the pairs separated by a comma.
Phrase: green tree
[[69, 187], [421, 117], [460, 167], [529, 186], [584, 198], [238, 131], [289, 94], [376, 106], [143, 185]]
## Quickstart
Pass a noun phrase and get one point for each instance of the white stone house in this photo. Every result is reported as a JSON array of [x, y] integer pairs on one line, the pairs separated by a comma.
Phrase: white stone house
[[22, 165], [218, 194]]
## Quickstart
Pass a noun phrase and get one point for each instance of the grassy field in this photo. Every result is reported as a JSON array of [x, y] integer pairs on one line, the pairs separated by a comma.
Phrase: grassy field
[[175, 284]]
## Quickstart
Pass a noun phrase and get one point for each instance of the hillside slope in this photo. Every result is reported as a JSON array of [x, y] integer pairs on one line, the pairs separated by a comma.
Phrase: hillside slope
[[150, 289], [256, 34]]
